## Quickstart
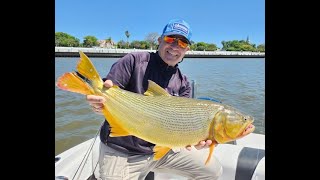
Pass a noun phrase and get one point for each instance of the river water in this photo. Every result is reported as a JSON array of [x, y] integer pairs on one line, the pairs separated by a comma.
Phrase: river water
[[239, 82]]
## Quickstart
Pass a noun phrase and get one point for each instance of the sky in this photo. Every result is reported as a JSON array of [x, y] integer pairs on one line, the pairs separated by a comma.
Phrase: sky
[[211, 21]]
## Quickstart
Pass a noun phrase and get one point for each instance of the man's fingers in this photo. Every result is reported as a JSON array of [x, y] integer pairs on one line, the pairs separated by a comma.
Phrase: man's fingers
[[108, 83], [200, 145], [95, 99], [97, 106], [97, 102], [203, 144], [92, 99], [208, 142], [189, 148]]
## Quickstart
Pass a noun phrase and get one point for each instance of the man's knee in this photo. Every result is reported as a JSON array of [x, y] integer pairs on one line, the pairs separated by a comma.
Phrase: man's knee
[[212, 172], [217, 173]]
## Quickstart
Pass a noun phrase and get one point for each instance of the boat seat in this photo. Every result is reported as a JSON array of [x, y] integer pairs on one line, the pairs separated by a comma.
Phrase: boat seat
[[248, 160]]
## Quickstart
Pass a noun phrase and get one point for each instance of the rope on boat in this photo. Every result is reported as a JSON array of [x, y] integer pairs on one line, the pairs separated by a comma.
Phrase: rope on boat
[[86, 156]]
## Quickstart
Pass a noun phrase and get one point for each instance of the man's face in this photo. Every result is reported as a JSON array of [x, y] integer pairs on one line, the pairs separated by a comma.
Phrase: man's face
[[172, 53]]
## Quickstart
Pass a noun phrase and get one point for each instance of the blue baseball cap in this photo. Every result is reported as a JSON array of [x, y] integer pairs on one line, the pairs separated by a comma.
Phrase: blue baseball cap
[[178, 27]]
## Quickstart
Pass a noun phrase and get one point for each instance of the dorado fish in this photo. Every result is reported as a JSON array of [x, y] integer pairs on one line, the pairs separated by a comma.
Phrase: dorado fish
[[167, 121]]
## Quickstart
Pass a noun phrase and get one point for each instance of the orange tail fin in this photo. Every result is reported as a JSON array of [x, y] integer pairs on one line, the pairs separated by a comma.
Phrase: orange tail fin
[[86, 68], [72, 82]]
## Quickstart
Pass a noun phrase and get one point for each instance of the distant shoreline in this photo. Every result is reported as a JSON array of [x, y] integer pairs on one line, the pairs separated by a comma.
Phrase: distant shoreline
[[104, 52]]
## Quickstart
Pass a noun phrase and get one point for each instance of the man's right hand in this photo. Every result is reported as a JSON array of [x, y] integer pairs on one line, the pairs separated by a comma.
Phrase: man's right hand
[[96, 102]]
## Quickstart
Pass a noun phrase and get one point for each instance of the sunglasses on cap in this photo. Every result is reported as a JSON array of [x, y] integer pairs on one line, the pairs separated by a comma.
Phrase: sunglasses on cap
[[181, 42]]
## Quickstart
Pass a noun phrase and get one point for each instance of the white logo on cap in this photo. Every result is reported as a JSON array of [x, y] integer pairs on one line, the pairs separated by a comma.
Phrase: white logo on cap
[[180, 27]]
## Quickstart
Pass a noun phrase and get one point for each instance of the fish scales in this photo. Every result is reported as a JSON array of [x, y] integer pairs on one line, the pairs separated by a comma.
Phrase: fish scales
[[174, 118]]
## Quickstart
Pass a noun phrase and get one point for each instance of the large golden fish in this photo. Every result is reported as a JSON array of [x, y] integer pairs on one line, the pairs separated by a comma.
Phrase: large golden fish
[[157, 117]]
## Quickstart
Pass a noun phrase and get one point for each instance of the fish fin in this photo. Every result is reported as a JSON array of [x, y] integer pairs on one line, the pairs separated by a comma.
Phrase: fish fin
[[155, 90], [160, 151], [72, 82], [86, 68], [211, 147], [116, 130]]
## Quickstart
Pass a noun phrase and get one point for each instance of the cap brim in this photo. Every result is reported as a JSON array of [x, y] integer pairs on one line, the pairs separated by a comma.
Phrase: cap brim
[[175, 33]]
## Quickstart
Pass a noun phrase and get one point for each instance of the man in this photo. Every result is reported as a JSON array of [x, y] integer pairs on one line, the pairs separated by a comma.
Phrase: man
[[130, 157]]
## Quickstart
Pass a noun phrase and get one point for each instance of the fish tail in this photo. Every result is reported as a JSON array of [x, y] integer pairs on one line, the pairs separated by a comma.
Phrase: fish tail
[[72, 82], [86, 68]]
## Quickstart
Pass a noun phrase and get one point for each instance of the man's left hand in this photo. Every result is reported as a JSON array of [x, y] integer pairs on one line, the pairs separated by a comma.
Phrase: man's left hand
[[200, 145]]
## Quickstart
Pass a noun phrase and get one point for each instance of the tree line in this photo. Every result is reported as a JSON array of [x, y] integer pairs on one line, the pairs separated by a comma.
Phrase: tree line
[[151, 42]]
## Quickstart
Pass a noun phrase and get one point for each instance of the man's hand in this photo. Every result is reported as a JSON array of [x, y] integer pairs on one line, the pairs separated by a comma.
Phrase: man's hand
[[200, 145], [96, 102]]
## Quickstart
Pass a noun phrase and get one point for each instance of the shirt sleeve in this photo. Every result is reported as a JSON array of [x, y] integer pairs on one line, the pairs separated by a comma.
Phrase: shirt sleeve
[[121, 71], [186, 89]]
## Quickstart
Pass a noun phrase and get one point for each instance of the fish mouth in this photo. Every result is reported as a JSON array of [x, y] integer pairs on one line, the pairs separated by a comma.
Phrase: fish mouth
[[249, 129]]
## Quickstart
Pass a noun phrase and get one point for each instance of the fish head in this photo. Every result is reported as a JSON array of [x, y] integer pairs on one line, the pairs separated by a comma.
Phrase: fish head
[[230, 124]]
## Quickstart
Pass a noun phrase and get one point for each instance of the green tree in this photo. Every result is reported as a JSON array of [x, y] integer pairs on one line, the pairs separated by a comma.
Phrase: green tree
[[66, 40], [135, 44], [236, 45], [128, 35], [261, 48], [211, 47], [201, 46], [121, 44], [193, 45], [145, 45], [224, 45], [90, 41], [139, 45]]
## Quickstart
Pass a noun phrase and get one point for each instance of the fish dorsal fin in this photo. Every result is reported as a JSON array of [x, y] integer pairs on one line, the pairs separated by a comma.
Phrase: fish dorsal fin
[[160, 151], [86, 68], [155, 90], [72, 82], [116, 129]]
